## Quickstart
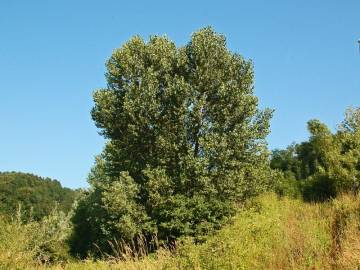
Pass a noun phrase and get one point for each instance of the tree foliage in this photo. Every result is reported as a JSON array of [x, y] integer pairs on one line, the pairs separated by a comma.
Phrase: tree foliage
[[185, 141], [36, 196], [328, 162], [28, 245]]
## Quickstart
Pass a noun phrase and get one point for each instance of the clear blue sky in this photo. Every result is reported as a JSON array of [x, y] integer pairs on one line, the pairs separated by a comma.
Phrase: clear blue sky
[[52, 56]]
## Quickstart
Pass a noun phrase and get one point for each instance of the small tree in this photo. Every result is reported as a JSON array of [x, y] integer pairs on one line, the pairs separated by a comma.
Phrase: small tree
[[185, 141]]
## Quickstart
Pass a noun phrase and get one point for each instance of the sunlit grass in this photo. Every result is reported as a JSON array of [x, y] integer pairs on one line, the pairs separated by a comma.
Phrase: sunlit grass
[[268, 233]]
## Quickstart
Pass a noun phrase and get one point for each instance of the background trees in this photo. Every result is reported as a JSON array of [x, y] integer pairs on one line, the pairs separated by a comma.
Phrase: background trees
[[329, 162], [36, 196], [185, 141]]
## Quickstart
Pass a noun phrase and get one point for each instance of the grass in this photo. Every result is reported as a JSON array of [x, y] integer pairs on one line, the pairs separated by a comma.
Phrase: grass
[[268, 233]]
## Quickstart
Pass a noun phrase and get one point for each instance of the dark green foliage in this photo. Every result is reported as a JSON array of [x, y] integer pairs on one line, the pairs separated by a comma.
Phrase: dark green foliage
[[319, 188], [289, 187], [302, 160], [86, 222], [328, 163], [185, 142], [287, 162], [36, 196]]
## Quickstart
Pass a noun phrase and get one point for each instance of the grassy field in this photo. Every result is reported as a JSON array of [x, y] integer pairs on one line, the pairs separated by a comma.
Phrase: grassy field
[[268, 233]]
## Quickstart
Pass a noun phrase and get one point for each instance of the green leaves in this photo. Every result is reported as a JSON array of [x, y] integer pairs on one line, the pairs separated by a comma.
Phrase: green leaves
[[329, 162], [185, 137], [120, 200], [36, 196]]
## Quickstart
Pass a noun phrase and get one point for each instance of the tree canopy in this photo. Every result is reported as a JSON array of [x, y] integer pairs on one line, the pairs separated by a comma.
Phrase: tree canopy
[[37, 197], [185, 142], [328, 162]]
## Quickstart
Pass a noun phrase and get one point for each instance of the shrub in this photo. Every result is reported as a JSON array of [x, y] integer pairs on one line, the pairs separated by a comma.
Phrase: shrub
[[319, 188], [289, 187], [25, 245]]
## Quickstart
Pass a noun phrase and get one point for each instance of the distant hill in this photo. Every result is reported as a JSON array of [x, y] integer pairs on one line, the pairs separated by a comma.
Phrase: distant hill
[[37, 196]]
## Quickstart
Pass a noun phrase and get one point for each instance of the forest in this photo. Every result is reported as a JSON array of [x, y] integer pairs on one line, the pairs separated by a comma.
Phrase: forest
[[33, 196], [186, 179]]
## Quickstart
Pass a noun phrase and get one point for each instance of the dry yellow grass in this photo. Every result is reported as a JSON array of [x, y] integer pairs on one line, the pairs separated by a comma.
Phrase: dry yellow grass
[[269, 233]]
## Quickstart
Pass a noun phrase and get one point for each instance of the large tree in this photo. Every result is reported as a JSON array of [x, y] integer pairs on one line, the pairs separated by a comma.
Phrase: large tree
[[185, 141]]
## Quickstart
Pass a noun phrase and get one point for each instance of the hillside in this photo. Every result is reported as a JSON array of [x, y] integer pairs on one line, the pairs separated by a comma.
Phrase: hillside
[[267, 233], [36, 196]]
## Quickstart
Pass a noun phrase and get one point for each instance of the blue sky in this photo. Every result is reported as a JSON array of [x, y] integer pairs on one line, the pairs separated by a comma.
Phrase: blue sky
[[52, 55]]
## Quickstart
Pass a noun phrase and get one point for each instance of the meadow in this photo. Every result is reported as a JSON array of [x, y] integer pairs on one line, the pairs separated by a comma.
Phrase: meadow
[[268, 232]]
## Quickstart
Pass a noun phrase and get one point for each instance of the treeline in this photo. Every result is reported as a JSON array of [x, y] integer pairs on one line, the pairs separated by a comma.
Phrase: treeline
[[35, 197], [325, 165]]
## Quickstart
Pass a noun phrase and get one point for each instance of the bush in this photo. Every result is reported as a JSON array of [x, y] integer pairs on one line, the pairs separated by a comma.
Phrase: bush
[[25, 245], [319, 188], [289, 187]]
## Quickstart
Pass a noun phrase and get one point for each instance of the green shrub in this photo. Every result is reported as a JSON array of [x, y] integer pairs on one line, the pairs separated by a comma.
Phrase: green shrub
[[289, 187], [319, 188], [28, 245]]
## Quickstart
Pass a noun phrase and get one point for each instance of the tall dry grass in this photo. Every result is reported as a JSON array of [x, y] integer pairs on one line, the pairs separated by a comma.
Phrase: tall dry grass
[[268, 233]]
